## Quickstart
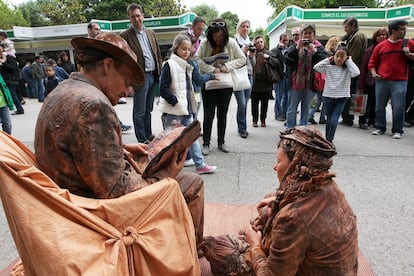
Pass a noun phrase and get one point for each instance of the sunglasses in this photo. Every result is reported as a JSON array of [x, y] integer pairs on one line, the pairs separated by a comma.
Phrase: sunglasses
[[216, 24]]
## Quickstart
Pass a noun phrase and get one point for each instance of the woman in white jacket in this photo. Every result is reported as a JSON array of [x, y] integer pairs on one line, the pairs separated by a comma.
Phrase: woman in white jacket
[[229, 57]]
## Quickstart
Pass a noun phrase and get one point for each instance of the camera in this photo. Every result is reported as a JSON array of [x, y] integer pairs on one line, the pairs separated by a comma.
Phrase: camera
[[251, 47], [305, 42]]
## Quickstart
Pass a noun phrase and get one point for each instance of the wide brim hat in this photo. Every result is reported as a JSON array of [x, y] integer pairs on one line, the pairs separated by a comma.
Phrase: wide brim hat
[[115, 46]]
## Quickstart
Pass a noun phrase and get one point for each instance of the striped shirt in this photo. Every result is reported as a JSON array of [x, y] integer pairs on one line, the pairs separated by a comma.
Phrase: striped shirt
[[338, 78]]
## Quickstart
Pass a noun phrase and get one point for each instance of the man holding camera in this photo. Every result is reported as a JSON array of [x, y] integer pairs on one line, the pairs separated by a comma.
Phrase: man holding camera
[[300, 59]]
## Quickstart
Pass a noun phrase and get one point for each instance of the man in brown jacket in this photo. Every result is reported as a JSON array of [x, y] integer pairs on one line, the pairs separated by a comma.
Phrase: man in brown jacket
[[145, 45]]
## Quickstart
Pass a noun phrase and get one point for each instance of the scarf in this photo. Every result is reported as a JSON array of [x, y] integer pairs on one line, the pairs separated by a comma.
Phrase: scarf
[[241, 40], [301, 77]]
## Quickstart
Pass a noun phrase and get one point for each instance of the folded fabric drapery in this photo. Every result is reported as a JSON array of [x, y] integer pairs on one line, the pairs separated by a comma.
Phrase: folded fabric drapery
[[146, 232]]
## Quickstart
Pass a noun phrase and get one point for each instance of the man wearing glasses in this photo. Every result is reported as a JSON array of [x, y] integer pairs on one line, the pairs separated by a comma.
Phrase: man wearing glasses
[[145, 45]]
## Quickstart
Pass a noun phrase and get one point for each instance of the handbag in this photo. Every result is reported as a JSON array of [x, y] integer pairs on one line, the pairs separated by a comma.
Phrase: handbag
[[358, 104], [272, 73], [240, 78], [225, 81]]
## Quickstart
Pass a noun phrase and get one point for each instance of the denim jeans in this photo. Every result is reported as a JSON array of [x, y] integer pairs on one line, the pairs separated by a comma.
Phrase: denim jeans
[[143, 105], [5, 119], [242, 98], [333, 110], [13, 91], [40, 90], [396, 90], [294, 98], [31, 89], [280, 98], [195, 149]]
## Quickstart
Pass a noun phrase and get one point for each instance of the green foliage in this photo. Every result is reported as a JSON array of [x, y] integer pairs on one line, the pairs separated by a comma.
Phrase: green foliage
[[158, 8], [107, 10], [231, 20], [10, 17], [33, 15], [63, 12], [116, 9], [279, 5], [207, 12], [53, 12]]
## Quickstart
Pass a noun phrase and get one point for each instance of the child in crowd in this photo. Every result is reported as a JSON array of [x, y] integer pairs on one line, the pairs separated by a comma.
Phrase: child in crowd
[[177, 102], [339, 69], [51, 81]]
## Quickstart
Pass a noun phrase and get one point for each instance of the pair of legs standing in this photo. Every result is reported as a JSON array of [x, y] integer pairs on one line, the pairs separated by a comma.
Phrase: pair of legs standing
[[396, 90], [305, 100], [261, 97], [215, 99], [242, 98], [143, 106], [281, 99], [333, 109]]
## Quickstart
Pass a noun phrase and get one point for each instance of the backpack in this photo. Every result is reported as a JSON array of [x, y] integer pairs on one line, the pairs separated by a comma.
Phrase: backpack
[[409, 61]]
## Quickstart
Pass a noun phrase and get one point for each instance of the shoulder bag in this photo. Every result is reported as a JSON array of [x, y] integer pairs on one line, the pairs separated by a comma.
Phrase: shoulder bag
[[240, 78]]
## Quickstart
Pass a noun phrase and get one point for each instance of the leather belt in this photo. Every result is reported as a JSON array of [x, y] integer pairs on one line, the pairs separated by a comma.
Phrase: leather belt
[[151, 72]]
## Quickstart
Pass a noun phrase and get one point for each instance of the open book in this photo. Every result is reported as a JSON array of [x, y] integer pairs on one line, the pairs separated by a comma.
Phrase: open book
[[175, 138]]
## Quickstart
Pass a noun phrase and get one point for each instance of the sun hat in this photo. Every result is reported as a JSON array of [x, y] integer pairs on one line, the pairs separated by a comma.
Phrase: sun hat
[[115, 46]]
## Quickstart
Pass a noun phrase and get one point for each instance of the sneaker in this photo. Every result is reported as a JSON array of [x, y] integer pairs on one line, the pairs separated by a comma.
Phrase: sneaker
[[122, 101], [244, 134], [378, 132], [189, 163], [125, 128], [397, 135], [206, 169], [363, 126], [312, 121], [206, 150]]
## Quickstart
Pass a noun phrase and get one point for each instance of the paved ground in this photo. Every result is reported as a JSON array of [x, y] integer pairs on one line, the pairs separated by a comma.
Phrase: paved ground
[[376, 174]]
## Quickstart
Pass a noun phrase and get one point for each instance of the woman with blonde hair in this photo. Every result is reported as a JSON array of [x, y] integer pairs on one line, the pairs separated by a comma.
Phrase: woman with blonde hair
[[242, 97], [332, 44]]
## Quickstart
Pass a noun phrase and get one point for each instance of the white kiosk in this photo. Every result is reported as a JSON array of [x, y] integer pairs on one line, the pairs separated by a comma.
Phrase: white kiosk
[[328, 22]]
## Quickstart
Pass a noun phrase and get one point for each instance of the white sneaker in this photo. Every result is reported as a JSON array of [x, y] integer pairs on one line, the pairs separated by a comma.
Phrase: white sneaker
[[397, 135], [122, 100], [189, 163], [378, 132]]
